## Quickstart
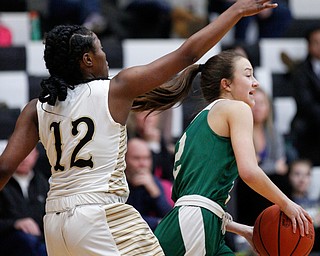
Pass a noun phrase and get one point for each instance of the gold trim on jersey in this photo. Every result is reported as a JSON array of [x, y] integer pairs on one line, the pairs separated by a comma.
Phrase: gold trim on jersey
[[130, 232], [117, 181]]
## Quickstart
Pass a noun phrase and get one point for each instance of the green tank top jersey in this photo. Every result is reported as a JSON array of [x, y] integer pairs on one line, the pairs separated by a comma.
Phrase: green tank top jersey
[[204, 162]]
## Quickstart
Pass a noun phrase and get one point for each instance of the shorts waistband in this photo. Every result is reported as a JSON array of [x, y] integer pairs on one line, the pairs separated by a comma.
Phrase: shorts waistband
[[67, 203], [201, 201]]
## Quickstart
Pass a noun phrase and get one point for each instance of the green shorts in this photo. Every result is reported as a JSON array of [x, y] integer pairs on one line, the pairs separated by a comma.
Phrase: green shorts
[[191, 230]]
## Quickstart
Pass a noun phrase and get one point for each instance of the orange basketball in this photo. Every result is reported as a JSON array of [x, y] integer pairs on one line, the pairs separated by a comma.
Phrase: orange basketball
[[273, 235]]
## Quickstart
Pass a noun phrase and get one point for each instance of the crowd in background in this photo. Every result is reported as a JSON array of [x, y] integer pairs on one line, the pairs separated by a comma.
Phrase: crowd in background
[[150, 155]]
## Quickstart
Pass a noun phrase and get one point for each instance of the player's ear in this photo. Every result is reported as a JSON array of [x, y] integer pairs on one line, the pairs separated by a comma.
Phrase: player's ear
[[225, 84], [87, 59]]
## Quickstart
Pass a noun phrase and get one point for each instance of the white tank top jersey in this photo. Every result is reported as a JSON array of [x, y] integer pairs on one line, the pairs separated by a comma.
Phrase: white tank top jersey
[[85, 146]]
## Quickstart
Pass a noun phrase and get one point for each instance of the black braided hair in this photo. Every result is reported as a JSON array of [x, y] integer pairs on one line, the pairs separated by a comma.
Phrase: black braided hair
[[64, 48]]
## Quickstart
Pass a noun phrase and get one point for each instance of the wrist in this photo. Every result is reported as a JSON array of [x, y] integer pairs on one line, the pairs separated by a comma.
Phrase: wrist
[[238, 9]]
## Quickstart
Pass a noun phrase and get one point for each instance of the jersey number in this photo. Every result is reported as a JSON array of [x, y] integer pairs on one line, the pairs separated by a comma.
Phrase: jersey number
[[179, 154], [86, 138]]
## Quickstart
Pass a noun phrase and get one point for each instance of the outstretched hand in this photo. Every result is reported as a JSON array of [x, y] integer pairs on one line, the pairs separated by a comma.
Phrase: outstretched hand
[[252, 7], [299, 217]]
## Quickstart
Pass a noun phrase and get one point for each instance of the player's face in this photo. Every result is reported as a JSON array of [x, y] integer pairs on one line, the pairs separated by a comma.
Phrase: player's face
[[100, 64], [244, 83]]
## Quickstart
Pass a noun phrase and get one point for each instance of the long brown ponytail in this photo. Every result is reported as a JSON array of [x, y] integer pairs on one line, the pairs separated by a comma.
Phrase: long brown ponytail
[[168, 94]]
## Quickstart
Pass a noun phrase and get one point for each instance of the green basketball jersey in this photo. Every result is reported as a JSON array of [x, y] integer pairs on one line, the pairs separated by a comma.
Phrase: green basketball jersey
[[204, 162]]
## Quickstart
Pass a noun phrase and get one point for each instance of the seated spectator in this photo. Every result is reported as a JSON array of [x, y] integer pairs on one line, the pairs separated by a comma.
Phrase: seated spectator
[[147, 127], [22, 207], [300, 180], [146, 192]]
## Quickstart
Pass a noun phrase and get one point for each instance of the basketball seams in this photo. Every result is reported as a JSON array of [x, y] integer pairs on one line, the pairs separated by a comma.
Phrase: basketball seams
[[260, 236], [309, 250], [279, 233], [282, 242], [295, 248]]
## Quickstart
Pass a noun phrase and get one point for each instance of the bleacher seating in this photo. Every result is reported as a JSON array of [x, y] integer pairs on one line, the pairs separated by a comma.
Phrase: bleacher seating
[[143, 51], [19, 24], [271, 49], [13, 58], [14, 88], [35, 62], [314, 189], [306, 9], [282, 91], [8, 118]]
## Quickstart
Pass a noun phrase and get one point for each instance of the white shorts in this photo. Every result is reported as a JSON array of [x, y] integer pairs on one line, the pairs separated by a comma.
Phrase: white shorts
[[85, 225]]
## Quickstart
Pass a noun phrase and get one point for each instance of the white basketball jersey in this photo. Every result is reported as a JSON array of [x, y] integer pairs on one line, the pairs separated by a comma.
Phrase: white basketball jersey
[[85, 146]]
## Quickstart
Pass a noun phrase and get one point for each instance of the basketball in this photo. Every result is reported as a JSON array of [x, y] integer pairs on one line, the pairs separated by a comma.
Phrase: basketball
[[273, 235]]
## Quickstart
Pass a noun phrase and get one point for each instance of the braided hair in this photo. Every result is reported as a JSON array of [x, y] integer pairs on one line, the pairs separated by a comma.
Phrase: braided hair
[[64, 48]]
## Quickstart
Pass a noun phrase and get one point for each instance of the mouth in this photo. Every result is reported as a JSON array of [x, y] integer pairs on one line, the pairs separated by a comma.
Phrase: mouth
[[252, 92]]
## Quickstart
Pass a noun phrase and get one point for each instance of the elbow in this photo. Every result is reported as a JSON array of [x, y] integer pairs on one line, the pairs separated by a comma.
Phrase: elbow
[[189, 55], [248, 175]]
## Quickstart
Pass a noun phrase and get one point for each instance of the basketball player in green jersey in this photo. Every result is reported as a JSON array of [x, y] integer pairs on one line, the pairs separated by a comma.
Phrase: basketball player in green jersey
[[214, 149]]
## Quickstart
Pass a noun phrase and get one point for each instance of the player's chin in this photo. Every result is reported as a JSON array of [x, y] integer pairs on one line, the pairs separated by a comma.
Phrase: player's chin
[[250, 101]]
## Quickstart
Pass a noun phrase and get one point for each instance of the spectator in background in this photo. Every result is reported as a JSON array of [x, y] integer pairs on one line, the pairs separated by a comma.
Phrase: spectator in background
[[146, 192], [271, 157], [80, 12], [269, 143], [300, 180], [305, 78], [147, 127], [145, 18], [271, 22], [22, 207]]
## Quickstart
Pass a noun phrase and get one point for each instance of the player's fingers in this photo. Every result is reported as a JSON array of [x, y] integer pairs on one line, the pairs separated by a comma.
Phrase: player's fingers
[[301, 225], [307, 215], [306, 224], [294, 224], [262, 4]]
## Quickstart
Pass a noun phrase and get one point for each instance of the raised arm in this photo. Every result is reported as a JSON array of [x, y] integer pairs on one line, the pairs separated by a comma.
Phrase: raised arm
[[24, 138], [135, 81]]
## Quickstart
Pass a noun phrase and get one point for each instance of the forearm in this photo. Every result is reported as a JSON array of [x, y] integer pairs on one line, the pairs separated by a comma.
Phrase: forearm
[[262, 184], [239, 229], [199, 43], [202, 41], [242, 230]]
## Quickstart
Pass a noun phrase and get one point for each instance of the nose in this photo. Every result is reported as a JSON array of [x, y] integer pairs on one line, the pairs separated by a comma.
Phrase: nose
[[255, 83]]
